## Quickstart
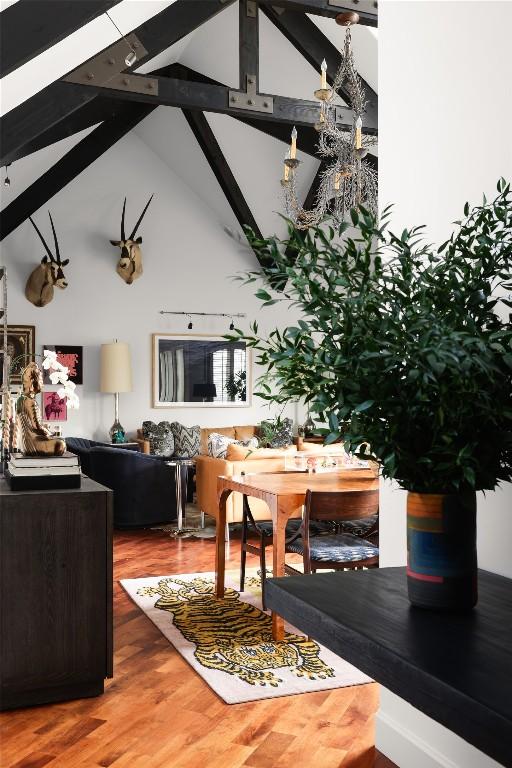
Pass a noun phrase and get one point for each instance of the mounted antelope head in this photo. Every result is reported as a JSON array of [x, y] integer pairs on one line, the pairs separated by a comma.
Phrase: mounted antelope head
[[129, 266], [48, 274]]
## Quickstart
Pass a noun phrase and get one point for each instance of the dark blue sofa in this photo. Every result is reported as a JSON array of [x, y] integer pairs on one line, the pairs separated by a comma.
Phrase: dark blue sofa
[[144, 486]]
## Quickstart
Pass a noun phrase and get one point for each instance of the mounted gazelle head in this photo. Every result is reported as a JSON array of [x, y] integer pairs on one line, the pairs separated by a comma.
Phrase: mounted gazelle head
[[129, 266], [49, 274]]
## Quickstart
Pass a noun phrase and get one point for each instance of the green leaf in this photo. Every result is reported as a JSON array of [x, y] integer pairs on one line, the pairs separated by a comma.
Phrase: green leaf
[[470, 476], [364, 406], [263, 295]]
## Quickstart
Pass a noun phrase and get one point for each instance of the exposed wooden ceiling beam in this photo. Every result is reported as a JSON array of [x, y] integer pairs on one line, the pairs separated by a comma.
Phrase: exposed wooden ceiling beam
[[308, 138], [96, 112], [187, 94], [248, 41], [367, 9], [314, 46], [25, 123], [220, 167], [71, 165], [30, 27], [92, 113]]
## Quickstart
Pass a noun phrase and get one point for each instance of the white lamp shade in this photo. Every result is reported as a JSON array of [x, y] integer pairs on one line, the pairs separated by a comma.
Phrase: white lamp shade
[[116, 367]]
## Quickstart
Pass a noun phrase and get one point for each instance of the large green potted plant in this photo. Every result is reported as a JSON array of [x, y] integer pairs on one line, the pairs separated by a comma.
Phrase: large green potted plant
[[405, 351]]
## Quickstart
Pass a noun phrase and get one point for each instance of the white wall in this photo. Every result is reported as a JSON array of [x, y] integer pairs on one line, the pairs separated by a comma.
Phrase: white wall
[[188, 265], [445, 136]]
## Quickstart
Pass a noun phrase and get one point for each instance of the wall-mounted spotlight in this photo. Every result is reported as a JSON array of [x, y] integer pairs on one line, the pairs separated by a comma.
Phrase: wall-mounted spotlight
[[190, 324], [7, 181], [231, 325], [131, 56]]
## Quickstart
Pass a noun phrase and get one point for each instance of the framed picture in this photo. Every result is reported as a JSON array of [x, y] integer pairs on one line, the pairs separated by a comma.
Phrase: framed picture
[[200, 371], [21, 348], [71, 357], [54, 407]]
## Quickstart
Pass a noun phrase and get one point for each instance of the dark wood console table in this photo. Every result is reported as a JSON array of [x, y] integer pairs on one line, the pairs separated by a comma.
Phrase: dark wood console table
[[55, 593], [457, 669]]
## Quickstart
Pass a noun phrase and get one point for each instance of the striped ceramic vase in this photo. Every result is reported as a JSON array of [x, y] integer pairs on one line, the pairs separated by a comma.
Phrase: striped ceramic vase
[[441, 550]]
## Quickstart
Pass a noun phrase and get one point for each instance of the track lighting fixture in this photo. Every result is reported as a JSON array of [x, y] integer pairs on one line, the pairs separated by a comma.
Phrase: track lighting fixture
[[7, 181], [231, 315], [131, 56]]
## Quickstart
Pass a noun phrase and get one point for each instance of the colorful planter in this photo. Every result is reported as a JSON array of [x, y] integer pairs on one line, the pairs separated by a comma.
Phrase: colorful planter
[[441, 551]]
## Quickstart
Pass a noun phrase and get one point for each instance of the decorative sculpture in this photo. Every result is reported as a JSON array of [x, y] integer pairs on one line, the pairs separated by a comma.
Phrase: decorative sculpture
[[35, 438], [129, 266], [48, 274]]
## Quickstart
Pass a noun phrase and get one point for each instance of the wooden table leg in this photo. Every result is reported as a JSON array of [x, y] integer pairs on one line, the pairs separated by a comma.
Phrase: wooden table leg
[[220, 544]]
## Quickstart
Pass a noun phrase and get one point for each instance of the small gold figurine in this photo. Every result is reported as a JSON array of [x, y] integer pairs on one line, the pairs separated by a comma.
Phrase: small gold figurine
[[35, 438]]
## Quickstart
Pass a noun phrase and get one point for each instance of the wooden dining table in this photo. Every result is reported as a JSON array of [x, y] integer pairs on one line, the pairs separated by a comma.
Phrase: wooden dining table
[[284, 493]]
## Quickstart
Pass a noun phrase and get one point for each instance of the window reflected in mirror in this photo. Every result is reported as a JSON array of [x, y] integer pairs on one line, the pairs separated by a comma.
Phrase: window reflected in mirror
[[198, 371]]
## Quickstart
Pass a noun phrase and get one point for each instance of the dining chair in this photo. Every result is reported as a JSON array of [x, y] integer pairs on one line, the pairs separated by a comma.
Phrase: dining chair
[[264, 531], [339, 550], [367, 528]]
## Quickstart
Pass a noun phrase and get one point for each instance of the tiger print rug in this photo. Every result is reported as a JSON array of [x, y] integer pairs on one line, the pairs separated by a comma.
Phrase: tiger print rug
[[229, 641]]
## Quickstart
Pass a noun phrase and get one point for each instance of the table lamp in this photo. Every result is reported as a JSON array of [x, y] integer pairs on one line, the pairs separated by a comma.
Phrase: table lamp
[[116, 377]]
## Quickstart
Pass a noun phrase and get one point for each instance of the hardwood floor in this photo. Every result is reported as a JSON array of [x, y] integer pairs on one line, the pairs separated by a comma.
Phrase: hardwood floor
[[158, 713]]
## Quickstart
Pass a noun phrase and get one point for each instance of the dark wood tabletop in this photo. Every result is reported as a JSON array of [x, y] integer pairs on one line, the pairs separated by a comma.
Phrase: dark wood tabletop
[[456, 668]]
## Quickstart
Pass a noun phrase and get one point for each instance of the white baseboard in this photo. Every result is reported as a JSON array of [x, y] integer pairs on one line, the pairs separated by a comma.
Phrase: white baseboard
[[410, 739]]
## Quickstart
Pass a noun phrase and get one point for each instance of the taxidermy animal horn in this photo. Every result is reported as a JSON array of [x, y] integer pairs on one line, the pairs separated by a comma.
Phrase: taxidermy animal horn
[[140, 219], [57, 252], [50, 254], [123, 237]]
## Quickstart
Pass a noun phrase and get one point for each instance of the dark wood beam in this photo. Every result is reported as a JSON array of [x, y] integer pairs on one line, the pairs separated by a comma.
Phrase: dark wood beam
[[367, 9], [92, 113], [30, 27], [102, 108], [308, 137], [220, 167], [71, 165], [186, 94], [248, 41], [314, 46], [25, 123]]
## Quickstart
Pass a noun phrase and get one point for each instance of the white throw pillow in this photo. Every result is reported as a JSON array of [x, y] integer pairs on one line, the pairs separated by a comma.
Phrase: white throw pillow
[[218, 444]]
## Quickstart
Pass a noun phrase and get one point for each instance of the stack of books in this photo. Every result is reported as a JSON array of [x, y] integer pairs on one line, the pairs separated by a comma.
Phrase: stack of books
[[41, 473]]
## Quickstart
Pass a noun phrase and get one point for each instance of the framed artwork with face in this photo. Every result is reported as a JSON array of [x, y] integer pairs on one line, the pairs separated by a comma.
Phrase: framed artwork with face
[[21, 347], [71, 357]]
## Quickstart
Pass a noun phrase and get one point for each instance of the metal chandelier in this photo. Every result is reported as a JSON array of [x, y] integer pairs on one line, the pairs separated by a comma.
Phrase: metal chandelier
[[348, 179]]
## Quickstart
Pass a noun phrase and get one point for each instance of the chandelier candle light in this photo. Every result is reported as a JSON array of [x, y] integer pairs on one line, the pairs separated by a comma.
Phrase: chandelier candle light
[[348, 180]]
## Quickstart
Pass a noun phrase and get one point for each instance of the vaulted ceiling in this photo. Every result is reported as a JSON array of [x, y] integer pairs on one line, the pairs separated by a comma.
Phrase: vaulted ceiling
[[196, 53]]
